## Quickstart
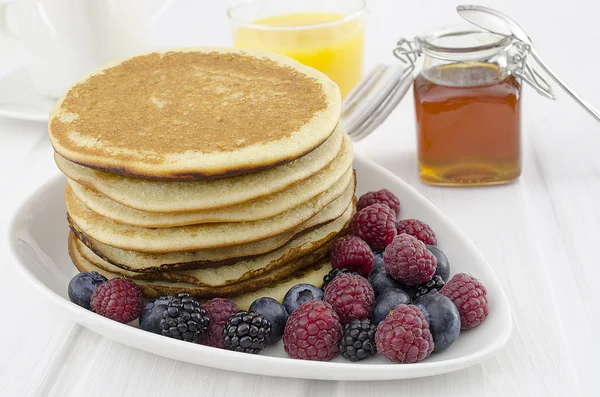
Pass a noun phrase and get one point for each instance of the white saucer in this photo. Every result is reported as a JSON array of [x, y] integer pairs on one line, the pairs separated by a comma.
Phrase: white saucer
[[20, 99]]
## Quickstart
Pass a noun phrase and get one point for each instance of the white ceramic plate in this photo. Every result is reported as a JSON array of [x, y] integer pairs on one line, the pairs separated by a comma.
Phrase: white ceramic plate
[[38, 240], [20, 99]]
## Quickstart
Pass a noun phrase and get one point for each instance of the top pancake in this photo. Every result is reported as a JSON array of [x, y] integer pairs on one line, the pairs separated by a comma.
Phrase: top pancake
[[195, 113], [189, 196]]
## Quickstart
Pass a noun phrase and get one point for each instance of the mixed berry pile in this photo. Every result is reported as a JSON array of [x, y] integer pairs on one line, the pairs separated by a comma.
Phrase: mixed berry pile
[[389, 292]]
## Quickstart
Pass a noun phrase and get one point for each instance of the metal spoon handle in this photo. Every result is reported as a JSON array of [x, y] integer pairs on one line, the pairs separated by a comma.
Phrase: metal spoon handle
[[586, 105]]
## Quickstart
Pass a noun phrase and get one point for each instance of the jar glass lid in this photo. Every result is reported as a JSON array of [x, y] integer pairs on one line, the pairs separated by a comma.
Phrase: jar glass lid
[[460, 43]]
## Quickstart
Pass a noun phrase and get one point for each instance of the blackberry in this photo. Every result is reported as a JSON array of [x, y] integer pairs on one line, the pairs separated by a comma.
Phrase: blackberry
[[184, 319], [358, 341], [432, 286], [246, 332], [333, 273]]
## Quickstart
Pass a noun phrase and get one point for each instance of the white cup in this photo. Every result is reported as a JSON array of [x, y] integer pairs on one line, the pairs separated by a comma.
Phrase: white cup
[[66, 39]]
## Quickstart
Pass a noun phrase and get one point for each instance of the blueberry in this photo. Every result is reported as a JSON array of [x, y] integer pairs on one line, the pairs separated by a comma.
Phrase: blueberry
[[382, 281], [153, 313], [299, 294], [82, 286], [377, 261], [274, 312], [443, 318], [443, 266], [387, 301]]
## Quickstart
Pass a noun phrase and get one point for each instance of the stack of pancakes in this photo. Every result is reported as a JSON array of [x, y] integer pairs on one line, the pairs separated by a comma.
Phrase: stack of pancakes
[[217, 172]]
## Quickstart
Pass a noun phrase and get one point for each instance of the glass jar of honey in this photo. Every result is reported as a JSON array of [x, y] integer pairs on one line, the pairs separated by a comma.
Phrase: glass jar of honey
[[468, 105]]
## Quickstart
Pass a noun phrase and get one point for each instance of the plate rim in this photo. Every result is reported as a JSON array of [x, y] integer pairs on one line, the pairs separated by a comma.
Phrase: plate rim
[[256, 364]]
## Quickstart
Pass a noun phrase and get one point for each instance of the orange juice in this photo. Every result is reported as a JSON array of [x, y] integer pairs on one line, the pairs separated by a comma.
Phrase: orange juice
[[323, 41]]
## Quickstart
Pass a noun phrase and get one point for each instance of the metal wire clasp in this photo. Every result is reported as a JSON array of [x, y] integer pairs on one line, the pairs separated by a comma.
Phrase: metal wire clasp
[[526, 72], [407, 52]]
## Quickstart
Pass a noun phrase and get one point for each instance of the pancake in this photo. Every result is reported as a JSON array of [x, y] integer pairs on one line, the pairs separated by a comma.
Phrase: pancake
[[153, 196], [274, 284], [195, 113], [195, 237], [216, 277], [313, 275], [255, 210], [315, 242], [148, 262]]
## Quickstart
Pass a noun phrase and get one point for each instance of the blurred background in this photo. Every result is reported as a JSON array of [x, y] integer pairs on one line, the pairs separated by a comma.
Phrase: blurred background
[[564, 33]]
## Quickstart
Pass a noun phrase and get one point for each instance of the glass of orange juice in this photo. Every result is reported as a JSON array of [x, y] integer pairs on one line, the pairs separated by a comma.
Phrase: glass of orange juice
[[324, 34]]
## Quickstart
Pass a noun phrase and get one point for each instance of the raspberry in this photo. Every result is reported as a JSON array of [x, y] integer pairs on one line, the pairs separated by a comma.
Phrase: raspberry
[[470, 297], [351, 296], [382, 196], [219, 310], [375, 224], [408, 261], [404, 335], [333, 273], [418, 229], [353, 253], [313, 332], [119, 299]]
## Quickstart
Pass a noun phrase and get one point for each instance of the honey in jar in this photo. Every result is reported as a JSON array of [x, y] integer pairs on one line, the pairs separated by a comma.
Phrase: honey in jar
[[468, 124], [468, 104]]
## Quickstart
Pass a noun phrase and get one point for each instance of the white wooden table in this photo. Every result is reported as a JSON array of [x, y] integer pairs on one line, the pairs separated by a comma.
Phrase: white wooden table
[[540, 234]]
